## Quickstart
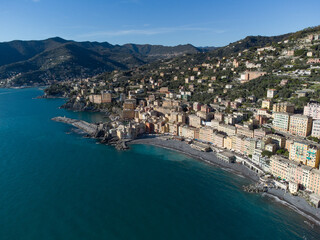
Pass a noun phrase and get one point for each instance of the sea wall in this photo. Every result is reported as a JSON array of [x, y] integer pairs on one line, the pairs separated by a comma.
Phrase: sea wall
[[89, 128]]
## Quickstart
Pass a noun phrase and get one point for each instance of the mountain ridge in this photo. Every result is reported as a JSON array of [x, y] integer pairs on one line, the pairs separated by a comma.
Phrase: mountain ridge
[[43, 62], [19, 60]]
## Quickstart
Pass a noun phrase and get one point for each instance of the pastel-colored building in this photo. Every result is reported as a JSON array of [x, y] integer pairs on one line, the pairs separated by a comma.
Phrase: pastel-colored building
[[241, 130], [187, 132], [249, 75], [194, 120], [301, 175], [227, 142], [104, 97], [283, 107], [300, 125], [312, 110], [206, 134], [261, 132], [271, 93], [266, 104], [315, 129], [305, 153], [314, 181], [196, 106], [280, 141], [228, 129], [281, 121], [279, 167], [219, 116], [218, 140], [173, 128], [238, 143], [250, 144]]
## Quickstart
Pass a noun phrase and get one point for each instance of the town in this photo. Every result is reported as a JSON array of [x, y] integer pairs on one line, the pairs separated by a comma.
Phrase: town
[[259, 107]]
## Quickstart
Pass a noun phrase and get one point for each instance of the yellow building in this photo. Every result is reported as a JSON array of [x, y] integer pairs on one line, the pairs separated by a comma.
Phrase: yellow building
[[283, 107], [306, 153], [218, 140], [266, 104], [181, 118], [238, 143], [227, 142]]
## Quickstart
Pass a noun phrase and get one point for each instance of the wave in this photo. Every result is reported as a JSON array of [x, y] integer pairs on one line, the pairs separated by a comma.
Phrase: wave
[[285, 203]]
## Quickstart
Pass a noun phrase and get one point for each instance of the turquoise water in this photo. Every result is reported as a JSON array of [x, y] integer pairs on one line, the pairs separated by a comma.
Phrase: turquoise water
[[54, 184]]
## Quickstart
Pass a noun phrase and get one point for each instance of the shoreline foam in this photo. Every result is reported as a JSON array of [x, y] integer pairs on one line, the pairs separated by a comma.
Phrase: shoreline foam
[[303, 208]]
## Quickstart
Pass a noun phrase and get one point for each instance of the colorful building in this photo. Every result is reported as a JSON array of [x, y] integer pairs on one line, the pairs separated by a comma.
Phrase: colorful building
[[300, 125], [283, 107], [305, 153]]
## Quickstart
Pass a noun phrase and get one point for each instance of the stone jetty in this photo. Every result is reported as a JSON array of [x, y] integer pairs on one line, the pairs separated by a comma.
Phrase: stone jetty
[[89, 128]]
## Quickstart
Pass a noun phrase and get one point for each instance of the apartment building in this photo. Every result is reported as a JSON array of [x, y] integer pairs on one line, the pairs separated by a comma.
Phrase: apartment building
[[218, 140], [194, 121], [283, 107], [271, 93], [312, 110], [206, 134], [266, 104], [315, 129], [305, 153], [305, 176], [300, 125], [228, 129], [281, 121], [187, 132], [280, 141]]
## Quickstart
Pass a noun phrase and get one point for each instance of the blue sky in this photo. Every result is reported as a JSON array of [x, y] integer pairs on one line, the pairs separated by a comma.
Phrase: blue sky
[[201, 23]]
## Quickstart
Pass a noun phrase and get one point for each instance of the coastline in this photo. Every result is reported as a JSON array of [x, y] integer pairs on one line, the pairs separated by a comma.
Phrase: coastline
[[296, 203], [208, 157]]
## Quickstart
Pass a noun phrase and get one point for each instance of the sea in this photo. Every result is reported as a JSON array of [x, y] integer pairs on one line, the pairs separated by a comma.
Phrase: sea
[[57, 184]]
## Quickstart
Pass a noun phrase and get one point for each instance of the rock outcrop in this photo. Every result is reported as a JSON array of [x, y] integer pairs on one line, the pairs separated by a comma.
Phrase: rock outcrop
[[97, 131]]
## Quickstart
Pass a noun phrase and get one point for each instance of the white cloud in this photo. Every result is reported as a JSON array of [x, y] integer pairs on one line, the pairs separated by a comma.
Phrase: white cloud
[[150, 31]]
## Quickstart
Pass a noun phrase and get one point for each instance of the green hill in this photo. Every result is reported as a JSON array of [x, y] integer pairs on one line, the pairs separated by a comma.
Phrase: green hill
[[55, 59]]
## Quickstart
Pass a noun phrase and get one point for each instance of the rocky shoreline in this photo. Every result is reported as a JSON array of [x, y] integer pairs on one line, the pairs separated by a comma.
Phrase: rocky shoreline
[[96, 131]]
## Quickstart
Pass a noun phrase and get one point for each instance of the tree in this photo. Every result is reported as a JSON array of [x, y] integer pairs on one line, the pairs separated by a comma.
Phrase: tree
[[266, 153]]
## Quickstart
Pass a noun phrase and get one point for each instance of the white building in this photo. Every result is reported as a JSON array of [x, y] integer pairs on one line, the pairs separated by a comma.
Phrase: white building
[[312, 110], [316, 129], [271, 93]]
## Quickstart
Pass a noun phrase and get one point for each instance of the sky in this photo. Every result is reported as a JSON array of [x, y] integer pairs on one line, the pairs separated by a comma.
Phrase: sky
[[165, 22]]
